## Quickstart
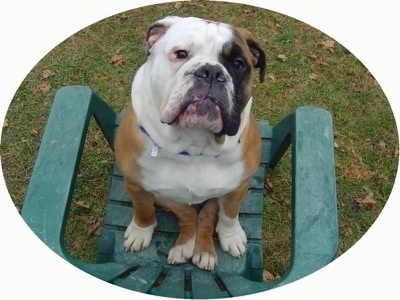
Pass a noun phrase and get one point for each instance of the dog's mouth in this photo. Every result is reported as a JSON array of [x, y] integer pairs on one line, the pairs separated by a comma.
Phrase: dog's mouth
[[200, 113]]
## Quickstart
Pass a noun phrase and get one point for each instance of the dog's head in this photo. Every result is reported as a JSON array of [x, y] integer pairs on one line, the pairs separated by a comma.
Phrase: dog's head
[[201, 72]]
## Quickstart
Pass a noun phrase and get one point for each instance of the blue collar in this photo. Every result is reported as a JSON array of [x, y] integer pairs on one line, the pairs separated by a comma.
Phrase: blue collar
[[155, 148]]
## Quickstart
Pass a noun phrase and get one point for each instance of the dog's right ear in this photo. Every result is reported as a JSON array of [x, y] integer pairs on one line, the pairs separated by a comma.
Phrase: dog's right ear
[[157, 31]]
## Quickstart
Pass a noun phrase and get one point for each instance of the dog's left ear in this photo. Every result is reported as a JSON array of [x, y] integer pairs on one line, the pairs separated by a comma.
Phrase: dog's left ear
[[258, 56], [157, 31]]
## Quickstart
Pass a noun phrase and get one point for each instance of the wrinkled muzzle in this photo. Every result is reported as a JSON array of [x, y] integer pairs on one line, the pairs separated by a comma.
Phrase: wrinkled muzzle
[[202, 98]]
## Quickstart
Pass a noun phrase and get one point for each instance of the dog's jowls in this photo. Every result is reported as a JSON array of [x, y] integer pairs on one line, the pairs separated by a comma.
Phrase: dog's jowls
[[188, 136]]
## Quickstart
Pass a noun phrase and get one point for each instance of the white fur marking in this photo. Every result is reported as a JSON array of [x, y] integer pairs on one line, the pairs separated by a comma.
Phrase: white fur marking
[[205, 261], [137, 238], [231, 235], [181, 253]]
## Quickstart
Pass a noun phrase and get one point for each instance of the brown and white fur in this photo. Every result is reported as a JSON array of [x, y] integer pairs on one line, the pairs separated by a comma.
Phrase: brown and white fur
[[191, 96]]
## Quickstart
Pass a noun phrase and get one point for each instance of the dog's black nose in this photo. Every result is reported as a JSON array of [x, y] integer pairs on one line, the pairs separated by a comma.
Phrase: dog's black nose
[[211, 73]]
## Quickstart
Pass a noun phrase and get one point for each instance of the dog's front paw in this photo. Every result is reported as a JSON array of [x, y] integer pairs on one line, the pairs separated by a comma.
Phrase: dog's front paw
[[205, 260], [181, 253], [232, 240], [137, 238]]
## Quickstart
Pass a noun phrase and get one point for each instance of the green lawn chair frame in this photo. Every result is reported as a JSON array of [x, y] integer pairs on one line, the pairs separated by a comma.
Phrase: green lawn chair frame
[[309, 132]]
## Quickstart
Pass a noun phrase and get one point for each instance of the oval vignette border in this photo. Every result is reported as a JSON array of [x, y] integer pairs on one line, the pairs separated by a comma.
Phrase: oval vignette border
[[364, 270]]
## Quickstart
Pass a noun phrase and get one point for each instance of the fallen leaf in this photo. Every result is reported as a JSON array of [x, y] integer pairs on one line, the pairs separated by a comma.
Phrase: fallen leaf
[[312, 55], [178, 5], [268, 189], [286, 202], [271, 77], [92, 224], [348, 231], [268, 276], [44, 87], [34, 132], [5, 124], [328, 44], [120, 86], [48, 73], [357, 172], [123, 17], [321, 62], [382, 145], [282, 57], [335, 145], [312, 76], [81, 204], [361, 172], [94, 227], [358, 87], [367, 201], [117, 60]]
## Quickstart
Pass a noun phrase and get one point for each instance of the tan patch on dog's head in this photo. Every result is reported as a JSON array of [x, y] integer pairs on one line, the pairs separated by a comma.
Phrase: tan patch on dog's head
[[253, 50]]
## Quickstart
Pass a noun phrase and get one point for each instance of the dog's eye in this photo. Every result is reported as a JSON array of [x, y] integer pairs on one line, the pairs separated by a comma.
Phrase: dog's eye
[[238, 64], [181, 54]]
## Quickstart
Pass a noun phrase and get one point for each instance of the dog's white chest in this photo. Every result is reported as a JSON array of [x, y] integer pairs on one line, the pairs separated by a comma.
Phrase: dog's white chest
[[191, 179]]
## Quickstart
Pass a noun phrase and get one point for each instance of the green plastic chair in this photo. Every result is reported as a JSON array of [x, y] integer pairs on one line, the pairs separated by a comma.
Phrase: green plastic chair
[[308, 130]]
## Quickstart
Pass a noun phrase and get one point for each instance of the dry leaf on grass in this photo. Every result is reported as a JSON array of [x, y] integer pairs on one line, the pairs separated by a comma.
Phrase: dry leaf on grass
[[357, 172], [44, 87], [81, 204], [271, 77], [117, 60], [318, 61], [48, 73], [328, 44], [282, 57], [367, 201], [123, 17], [268, 189], [5, 124], [312, 76], [94, 227], [178, 5], [268, 276], [312, 55], [382, 145], [321, 62], [92, 224], [34, 132]]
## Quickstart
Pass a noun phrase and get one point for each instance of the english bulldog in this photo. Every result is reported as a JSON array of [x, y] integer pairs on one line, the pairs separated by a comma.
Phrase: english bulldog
[[188, 141]]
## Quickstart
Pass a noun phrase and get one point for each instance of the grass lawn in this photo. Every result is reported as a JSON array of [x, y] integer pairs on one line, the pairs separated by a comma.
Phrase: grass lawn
[[304, 67]]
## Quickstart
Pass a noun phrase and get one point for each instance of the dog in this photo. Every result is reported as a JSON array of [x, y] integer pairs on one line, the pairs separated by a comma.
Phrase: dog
[[188, 138]]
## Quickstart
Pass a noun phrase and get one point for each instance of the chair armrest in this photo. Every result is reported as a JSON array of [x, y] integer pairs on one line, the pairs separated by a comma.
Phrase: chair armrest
[[314, 214], [314, 207], [51, 186]]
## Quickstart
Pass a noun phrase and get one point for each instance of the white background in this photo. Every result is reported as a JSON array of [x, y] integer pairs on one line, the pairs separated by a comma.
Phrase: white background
[[30, 29]]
